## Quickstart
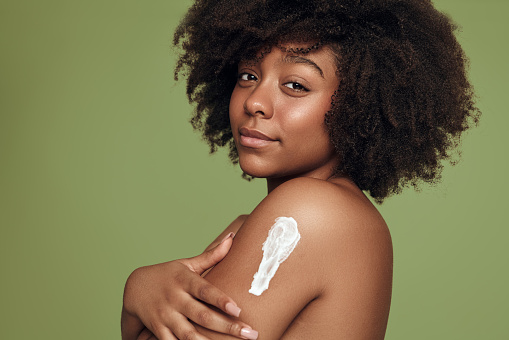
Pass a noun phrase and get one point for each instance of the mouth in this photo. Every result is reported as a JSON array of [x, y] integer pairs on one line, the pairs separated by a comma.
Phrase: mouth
[[253, 138]]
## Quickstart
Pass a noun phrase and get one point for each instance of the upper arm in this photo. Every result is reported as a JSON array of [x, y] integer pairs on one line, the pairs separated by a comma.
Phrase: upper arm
[[324, 263]]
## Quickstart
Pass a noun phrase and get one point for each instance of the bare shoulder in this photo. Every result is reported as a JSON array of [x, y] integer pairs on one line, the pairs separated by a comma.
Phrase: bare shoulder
[[352, 243], [336, 209], [338, 275]]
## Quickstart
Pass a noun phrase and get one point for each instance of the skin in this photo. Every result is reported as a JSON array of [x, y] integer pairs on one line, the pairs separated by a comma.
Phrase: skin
[[336, 284], [159, 300]]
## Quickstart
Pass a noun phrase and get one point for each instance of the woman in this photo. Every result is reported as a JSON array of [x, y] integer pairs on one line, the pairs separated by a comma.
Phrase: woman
[[324, 99]]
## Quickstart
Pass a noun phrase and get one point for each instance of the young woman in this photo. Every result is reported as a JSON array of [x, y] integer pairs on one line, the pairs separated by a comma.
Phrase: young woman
[[326, 100]]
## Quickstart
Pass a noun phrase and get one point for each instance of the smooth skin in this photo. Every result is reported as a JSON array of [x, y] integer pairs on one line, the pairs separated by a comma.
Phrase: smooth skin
[[337, 282], [164, 296]]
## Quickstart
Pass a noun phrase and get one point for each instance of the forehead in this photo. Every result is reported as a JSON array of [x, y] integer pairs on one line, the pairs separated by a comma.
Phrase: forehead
[[320, 57]]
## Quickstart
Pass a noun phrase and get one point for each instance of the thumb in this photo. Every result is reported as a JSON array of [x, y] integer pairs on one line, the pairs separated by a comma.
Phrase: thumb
[[199, 264]]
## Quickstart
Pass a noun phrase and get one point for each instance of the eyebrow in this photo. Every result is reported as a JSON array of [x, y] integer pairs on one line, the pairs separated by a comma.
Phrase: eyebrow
[[301, 60]]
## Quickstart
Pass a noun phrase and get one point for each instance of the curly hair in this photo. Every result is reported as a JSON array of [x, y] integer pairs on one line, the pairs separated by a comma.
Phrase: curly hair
[[403, 98]]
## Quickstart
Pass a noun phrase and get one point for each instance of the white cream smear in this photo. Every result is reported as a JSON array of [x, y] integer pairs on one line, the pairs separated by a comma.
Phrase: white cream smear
[[282, 239]]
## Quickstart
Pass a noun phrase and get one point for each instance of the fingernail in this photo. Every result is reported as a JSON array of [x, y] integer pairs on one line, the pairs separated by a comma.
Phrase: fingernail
[[250, 334], [232, 309], [227, 237]]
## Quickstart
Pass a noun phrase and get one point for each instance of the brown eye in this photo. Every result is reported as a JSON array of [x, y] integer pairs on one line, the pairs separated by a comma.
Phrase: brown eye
[[296, 86], [246, 77]]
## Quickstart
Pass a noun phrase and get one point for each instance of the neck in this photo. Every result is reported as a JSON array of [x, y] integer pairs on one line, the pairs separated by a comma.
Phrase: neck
[[273, 183], [324, 175], [342, 179]]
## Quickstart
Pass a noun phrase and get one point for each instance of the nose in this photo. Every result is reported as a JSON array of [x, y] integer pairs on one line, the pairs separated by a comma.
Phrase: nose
[[260, 101]]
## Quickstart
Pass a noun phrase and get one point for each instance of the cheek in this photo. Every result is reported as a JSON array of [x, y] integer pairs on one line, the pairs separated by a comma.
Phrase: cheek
[[309, 121], [236, 107]]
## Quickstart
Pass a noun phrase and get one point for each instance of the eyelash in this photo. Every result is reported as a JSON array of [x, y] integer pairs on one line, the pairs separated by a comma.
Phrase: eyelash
[[295, 86], [300, 87], [241, 75]]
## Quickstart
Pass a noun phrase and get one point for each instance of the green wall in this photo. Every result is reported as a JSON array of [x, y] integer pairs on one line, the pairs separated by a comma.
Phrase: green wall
[[100, 173]]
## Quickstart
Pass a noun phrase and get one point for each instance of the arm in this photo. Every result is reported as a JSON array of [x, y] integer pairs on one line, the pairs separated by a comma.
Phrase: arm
[[164, 296], [340, 270]]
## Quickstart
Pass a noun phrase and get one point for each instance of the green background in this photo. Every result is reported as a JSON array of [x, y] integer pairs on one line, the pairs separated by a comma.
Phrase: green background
[[100, 173]]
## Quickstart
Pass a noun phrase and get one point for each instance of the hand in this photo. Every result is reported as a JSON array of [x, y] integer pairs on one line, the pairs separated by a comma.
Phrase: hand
[[163, 297]]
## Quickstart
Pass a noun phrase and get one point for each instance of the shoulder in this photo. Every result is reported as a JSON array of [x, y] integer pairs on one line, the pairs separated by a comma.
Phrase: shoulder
[[339, 228], [315, 196], [338, 210], [343, 249], [347, 246]]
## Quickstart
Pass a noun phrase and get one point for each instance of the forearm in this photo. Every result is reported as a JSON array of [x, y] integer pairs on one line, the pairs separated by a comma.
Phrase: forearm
[[160, 301]]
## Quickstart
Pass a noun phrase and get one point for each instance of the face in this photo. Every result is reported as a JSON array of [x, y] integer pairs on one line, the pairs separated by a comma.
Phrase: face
[[277, 112]]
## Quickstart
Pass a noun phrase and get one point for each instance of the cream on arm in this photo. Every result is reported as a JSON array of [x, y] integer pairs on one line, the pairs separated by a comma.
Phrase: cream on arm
[[312, 261], [283, 237]]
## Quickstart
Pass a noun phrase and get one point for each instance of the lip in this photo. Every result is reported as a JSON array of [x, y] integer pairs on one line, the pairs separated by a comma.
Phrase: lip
[[253, 138]]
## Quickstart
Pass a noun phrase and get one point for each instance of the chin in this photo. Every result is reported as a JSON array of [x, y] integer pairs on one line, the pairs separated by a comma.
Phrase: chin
[[256, 173], [255, 169]]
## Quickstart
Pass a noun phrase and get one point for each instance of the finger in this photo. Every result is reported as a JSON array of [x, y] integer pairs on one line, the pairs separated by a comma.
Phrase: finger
[[162, 333], [204, 291], [210, 258], [146, 335], [184, 330], [210, 319]]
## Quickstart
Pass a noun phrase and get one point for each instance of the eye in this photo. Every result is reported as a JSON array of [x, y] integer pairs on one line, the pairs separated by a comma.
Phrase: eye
[[296, 86], [244, 76]]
